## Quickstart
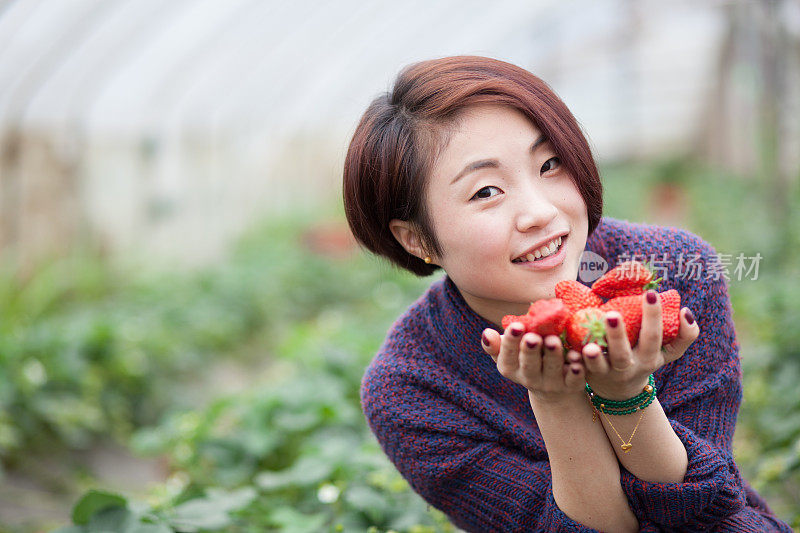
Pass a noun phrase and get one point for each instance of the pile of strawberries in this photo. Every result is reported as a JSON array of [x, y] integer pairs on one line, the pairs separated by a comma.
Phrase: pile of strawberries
[[577, 313]]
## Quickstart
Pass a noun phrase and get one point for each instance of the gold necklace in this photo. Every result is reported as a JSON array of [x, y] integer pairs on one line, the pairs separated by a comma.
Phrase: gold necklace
[[626, 446]]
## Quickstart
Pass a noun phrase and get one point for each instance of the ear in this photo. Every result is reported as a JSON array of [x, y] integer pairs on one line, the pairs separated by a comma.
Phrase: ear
[[408, 237]]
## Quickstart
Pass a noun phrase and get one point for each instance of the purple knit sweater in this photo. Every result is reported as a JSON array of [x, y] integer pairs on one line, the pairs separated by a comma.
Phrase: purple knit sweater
[[467, 441]]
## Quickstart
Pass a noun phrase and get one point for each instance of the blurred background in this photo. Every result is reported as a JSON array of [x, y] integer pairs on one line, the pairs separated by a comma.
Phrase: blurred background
[[184, 317]]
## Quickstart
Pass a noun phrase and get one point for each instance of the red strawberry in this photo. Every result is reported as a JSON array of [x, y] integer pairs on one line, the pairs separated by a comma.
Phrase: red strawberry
[[585, 326], [576, 295], [626, 279], [630, 307], [670, 314], [545, 317], [524, 319], [549, 316]]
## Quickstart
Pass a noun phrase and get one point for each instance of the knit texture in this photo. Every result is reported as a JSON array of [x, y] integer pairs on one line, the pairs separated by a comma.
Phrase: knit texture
[[466, 439]]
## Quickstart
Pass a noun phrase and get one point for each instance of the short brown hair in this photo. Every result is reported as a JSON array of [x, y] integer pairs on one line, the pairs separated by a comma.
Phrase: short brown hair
[[401, 133]]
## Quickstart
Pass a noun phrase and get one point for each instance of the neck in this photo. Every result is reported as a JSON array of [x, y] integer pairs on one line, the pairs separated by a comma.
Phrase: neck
[[492, 311]]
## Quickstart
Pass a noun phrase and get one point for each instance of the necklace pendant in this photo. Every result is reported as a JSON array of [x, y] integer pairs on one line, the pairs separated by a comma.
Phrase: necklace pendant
[[626, 447]]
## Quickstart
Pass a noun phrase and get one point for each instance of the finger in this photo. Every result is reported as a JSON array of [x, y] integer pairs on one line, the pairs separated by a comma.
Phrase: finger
[[687, 334], [508, 358], [616, 335], [490, 342], [553, 358], [530, 356], [619, 353], [593, 359], [575, 376], [649, 347], [574, 357]]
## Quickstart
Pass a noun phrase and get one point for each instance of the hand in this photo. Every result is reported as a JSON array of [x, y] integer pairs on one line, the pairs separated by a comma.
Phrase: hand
[[622, 373], [535, 363]]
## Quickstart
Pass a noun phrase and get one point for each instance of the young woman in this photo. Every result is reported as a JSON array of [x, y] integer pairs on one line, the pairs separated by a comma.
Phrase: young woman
[[475, 166]]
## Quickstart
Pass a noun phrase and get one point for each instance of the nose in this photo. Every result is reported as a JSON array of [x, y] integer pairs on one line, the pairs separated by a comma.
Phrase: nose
[[534, 210]]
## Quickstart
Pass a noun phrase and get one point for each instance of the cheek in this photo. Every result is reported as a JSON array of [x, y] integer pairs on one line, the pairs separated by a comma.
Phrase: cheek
[[473, 238], [571, 200]]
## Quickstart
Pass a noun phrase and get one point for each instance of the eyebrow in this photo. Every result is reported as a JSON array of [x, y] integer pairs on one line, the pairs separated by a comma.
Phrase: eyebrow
[[492, 163]]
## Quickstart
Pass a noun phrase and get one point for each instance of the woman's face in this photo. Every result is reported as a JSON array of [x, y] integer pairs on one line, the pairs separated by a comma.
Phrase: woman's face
[[516, 199]]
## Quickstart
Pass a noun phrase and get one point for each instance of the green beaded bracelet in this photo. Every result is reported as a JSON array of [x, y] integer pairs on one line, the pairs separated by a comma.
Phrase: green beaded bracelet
[[650, 381], [623, 403], [599, 402], [624, 407], [641, 407], [620, 405]]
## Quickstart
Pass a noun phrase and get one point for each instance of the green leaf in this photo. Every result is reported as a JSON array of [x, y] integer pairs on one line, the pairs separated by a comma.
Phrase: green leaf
[[149, 528], [297, 421], [116, 519], [307, 470], [93, 502], [290, 521], [369, 501], [200, 514], [212, 511], [365, 498], [232, 500]]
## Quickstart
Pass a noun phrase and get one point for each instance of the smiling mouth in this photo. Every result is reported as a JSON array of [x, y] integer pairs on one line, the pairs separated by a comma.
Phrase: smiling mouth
[[530, 258]]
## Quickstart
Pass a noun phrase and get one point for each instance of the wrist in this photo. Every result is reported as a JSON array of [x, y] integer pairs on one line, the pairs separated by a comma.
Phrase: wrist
[[556, 401], [623, 391]]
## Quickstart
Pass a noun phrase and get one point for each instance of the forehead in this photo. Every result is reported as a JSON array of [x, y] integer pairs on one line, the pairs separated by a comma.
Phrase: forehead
[[485, 115], [481, 124], [483, 131]]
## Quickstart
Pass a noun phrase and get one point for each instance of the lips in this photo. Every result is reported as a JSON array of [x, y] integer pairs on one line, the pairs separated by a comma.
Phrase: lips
[[537, 246]]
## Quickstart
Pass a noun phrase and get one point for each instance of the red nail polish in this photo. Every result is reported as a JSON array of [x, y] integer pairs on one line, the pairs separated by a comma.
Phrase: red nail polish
[[576, 370], [515, 331], [531, 344], [651, 297], [484, 340], [591, 355], [689, 317], [613, 321]]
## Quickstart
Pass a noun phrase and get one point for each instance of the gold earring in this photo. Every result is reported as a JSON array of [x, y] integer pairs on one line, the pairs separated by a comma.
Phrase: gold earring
[[428, 259]]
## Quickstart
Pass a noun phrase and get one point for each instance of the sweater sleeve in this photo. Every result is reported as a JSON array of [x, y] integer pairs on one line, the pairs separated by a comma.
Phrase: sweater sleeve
[[455, 463], [702, 395]]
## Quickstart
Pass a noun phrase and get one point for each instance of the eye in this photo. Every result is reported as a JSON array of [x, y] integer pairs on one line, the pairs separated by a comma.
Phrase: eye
[[481, 194], [551, 164]]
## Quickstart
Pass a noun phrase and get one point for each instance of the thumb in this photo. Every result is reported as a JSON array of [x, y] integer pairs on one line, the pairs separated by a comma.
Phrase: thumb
[[687, 334], [490, 341]]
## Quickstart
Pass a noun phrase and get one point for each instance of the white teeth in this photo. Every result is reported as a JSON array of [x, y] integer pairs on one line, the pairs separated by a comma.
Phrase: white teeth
[[544, 251]]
